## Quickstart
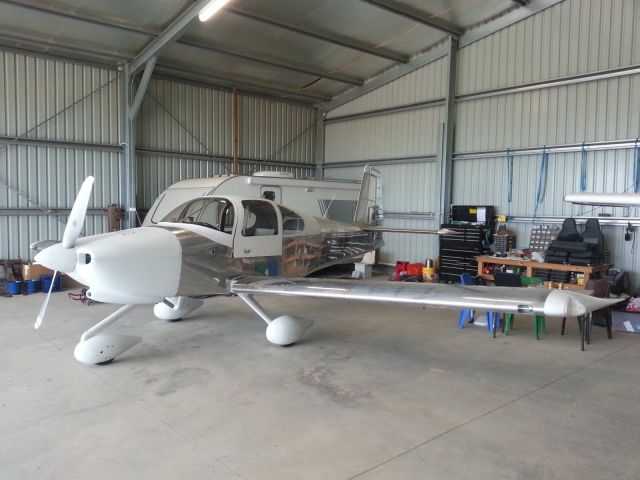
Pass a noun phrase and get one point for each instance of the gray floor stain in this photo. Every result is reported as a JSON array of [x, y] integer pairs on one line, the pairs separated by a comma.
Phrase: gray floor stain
[[173, 381], [323, 379]]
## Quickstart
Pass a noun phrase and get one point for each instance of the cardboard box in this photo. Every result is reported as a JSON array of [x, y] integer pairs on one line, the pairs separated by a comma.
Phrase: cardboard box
[[32, 271], [625, 321]]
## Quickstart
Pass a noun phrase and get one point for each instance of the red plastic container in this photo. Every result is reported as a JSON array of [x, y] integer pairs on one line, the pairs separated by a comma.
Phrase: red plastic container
[[401, 268], [415, 269]]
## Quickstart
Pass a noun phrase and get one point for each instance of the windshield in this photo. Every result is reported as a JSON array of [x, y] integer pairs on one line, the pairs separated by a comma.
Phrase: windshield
[[208, 212]]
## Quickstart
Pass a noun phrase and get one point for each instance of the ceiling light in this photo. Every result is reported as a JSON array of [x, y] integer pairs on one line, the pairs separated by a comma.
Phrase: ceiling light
[[210, 10]]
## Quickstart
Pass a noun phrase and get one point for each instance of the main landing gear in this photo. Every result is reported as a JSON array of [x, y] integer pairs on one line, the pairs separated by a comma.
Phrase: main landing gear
[[284, 330]]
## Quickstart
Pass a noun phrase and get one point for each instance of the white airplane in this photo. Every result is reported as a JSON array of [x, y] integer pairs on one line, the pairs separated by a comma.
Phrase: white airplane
[[225, 245]]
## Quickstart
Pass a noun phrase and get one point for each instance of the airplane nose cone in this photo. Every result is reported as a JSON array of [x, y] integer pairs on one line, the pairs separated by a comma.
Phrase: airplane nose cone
[[56, 257]]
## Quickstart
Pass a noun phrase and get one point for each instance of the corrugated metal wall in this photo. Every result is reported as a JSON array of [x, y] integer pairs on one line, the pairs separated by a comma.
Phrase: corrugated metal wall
[[407, 143], [59, 101], [573, 37], [185, 131]]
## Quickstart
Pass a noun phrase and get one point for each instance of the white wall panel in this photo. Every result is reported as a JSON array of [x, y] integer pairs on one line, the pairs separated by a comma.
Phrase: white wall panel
[[570, 38], [426, 83], [401, 134], [54, 100]]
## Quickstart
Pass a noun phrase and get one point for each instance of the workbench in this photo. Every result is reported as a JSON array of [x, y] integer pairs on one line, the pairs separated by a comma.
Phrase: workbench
[[529, 265]]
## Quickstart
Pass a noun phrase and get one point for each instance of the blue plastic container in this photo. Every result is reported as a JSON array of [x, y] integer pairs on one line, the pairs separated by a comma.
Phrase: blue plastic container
[[30, 286], [45, 283], [14, 288]]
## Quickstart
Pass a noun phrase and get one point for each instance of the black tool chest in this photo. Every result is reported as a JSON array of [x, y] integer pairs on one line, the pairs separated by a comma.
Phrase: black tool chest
[[458, 250]]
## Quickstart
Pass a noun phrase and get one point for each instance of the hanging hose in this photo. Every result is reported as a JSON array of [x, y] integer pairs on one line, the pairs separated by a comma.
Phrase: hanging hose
[[510, 180], [583, 170], [542, 180]]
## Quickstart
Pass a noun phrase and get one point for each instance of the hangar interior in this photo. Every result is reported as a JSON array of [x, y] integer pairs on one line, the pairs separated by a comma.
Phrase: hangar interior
[[504, 103]]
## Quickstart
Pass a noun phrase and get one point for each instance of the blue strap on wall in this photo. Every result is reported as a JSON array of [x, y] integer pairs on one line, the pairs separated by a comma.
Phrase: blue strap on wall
[[542, 179], [583, 170], [636, 168]]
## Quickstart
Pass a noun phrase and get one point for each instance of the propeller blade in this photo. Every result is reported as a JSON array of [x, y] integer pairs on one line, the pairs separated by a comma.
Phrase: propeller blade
[[77, 215], [43, 308]]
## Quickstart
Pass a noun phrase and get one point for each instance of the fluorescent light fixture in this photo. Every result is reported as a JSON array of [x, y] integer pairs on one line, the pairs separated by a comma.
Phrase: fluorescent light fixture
[[210, 10]]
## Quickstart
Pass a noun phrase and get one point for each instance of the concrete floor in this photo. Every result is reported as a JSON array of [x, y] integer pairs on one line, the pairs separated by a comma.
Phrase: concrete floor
[[373, 392]]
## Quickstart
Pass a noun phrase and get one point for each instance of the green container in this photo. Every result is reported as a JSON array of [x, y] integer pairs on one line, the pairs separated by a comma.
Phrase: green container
[[531, 280]]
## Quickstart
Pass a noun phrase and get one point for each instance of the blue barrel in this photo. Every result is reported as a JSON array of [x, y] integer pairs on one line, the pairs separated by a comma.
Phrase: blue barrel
[[45, 283], [31, 286], [14, 288]]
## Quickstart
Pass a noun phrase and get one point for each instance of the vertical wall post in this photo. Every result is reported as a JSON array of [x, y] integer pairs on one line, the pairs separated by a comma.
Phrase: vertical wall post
[[129, 152], [319, 144], [234, 121], [446, 155]]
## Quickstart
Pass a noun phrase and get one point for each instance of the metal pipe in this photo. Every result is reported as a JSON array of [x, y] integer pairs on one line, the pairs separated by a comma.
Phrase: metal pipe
[[565, 148], [32, 212], [151, 152], [571, 80], [234, 121], [38, 142], [436, 102], [383, 161], [610, 221]]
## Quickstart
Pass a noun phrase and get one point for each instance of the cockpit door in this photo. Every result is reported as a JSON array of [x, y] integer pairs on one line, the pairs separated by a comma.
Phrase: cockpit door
[[258, 230]]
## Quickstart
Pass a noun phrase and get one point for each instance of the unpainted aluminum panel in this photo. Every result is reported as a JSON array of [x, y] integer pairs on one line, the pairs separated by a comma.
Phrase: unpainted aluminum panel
[[405, 188], [584, 112], [423, 84], [570, 38], [396, 135]]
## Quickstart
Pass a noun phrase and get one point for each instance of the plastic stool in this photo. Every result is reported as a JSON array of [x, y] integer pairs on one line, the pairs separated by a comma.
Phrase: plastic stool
[[466, 279]]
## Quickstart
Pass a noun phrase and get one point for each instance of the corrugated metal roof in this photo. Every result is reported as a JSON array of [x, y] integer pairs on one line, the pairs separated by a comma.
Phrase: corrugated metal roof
[[311, 50]]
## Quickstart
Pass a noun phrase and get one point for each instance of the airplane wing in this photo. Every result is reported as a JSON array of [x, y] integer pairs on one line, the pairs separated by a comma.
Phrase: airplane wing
[[532, 301]]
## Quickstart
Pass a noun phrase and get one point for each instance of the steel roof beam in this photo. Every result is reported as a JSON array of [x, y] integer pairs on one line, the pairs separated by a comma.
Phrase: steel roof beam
[[210, 46], [271, 61], [417, 15], [333, 38], [169, 35], [69, 51]]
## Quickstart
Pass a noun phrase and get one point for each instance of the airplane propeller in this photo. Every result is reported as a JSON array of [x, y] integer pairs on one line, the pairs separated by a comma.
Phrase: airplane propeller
[[62, 257]]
